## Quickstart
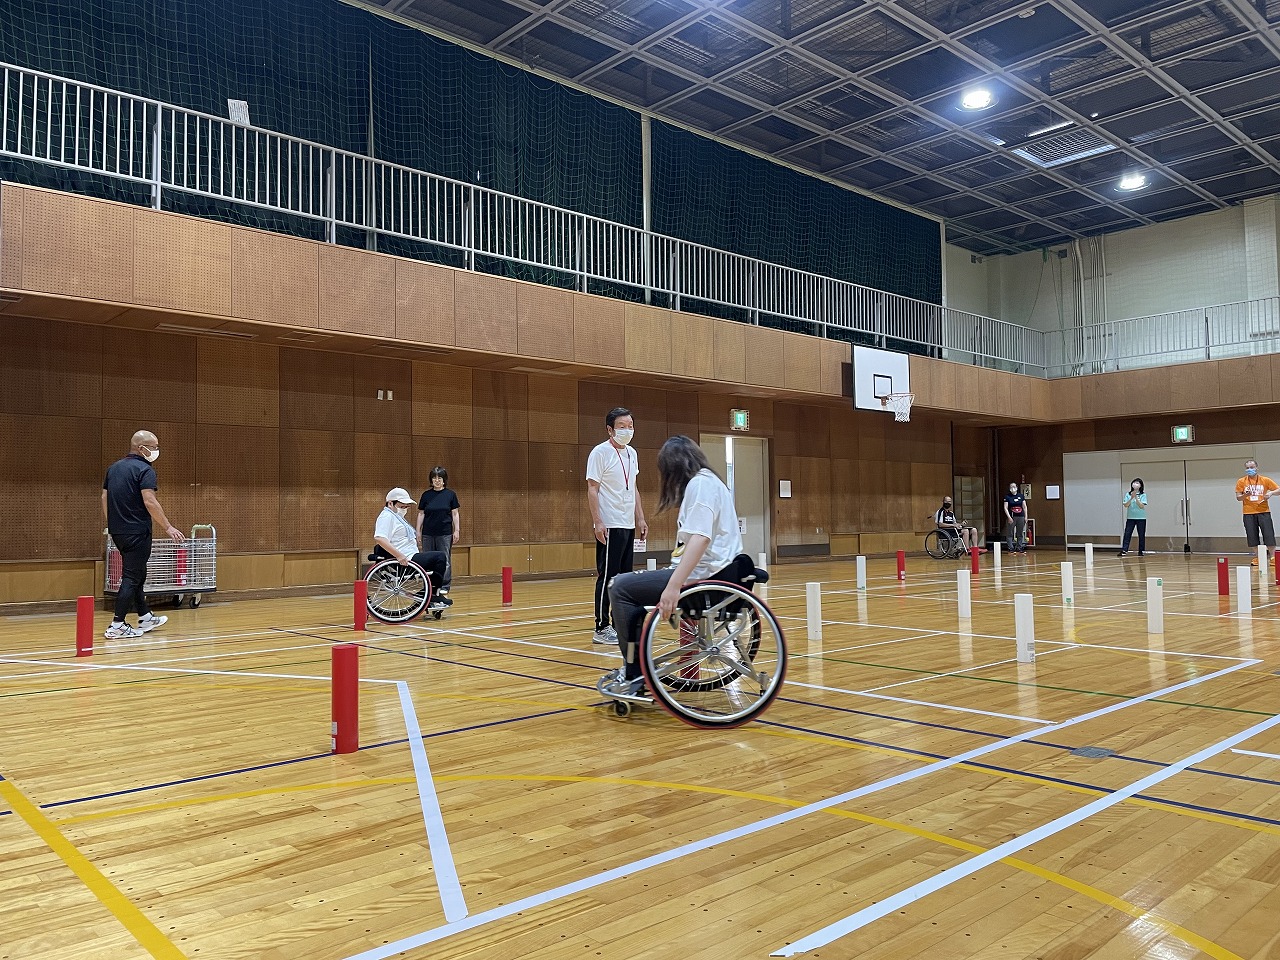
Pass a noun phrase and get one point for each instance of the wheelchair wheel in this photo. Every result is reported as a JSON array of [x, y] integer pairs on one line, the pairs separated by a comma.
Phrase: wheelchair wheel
[[722, 663], [397, 592], [938, 546]]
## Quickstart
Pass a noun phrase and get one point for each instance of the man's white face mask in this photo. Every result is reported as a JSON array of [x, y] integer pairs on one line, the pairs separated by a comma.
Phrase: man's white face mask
[[623, 435], [151, 455]]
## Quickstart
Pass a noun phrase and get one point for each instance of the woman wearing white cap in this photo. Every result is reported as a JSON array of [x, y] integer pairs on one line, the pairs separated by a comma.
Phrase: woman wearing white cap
[[395, 536]]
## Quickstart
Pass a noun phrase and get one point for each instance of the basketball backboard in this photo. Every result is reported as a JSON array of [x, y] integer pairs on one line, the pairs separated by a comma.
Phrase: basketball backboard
[[876, 374]]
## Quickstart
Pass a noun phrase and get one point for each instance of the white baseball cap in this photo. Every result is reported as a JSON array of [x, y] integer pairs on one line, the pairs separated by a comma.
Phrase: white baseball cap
[[399, 495]]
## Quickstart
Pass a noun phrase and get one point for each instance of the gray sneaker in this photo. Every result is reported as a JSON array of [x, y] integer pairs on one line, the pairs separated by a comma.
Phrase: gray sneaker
[[121, 631], [151, 621], [607, 636]]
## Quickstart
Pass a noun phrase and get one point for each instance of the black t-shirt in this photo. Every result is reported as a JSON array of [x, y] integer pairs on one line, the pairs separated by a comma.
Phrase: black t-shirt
[[436, 507], [1017, 505], [944, 517], [126, 479]]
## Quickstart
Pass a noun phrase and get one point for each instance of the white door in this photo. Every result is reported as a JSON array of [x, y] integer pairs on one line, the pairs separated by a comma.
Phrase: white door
[[1215, 513], [1165, 482], [743, 462]]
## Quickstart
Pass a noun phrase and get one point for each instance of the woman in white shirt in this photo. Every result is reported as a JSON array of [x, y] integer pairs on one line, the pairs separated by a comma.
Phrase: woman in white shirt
[[707, 541]]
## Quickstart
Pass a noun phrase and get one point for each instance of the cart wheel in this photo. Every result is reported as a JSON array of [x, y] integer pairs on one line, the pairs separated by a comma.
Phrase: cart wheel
[[195, 600], [621, 708], [177, 600], [437, 614]]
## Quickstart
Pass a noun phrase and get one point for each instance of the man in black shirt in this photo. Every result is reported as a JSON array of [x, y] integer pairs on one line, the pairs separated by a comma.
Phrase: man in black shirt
[[129, 506]]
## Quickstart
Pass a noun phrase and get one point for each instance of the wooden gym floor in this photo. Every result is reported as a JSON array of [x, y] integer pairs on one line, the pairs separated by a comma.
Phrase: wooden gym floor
[[914, 792]]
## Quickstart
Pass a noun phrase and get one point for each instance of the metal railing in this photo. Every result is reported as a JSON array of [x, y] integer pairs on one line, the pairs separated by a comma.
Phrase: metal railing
[[164, 148]]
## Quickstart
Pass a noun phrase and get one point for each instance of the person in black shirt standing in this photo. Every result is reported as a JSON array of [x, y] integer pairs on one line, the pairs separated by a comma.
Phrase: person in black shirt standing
[[129, 506], [438, 526], [1015, 511]]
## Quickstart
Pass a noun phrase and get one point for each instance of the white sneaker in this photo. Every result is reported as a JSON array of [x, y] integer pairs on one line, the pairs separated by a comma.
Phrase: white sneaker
[[151, 621], [121, 631], [606, 636]]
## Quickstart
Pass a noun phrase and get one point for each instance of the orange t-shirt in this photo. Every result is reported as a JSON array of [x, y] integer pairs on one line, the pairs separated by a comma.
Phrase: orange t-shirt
[[1254, 490]]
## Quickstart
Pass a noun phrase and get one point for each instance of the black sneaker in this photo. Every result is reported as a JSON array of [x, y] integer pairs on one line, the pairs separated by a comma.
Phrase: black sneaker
[[443, 600], [1124, 553]]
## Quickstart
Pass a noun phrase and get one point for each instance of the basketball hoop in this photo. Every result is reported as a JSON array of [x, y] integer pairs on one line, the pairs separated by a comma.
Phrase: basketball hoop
[[900, 404]]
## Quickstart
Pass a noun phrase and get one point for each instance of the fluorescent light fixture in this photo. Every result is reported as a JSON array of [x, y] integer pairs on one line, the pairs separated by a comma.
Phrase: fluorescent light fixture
[[978, 98], [1132, 181], [204, 331]]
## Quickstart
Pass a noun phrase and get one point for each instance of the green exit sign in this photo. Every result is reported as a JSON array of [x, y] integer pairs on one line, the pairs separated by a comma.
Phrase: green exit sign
[[1184, 433], [739, 419]]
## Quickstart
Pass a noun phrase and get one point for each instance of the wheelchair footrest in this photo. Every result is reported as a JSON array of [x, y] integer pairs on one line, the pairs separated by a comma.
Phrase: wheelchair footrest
[[613, 686]]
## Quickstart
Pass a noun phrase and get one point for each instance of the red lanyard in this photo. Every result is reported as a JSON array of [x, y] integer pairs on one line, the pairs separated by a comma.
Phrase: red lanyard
[[626, 478]]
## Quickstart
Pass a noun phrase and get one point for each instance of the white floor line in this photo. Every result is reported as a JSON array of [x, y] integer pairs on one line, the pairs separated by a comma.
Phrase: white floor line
[[954, 673], [865, 646], [1255, 753], [840, 928], [917, 703], [587, 883]]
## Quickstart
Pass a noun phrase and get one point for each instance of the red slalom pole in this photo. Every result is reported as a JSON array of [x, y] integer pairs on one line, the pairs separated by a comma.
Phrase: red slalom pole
[[902, 564], [1276, 558], [506, 586], [84, 626], [973, 559], [361, 604], [345, 732], [1224, 578]]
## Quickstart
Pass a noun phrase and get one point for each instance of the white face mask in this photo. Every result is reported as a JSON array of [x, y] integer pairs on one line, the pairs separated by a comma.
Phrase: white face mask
[[623, 435], [400, 510], [151, 455], [1136, 487]]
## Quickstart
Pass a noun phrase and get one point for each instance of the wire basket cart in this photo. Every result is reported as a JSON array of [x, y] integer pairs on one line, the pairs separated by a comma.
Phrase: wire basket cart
[[183, 571]]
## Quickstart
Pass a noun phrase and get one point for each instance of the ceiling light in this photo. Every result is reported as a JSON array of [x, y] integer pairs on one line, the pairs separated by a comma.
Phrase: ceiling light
[[1133, 181], [978, 98]]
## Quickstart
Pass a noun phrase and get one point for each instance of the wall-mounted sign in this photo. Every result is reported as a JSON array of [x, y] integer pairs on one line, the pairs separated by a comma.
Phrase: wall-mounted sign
[[1184, 433], [739, 420]]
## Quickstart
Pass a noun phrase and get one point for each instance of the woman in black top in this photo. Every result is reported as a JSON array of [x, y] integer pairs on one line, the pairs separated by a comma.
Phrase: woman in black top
[[438, 527]]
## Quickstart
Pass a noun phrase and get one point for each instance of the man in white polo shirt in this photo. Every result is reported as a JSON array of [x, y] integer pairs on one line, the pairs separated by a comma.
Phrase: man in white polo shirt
[[616, 513], [395, 537]]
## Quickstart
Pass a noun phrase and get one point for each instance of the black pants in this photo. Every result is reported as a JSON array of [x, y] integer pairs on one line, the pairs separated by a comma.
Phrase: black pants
[[135, 551], [631, 593], [434, 563], [614, 556], [1257, 527], [442, 544], [1130, 525]]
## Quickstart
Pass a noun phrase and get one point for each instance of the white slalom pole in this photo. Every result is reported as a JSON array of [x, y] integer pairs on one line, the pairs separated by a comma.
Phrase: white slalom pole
[[995, 554], [1024, 619], [813, 609], [1088, 556], [1244, 592], [862, 572], [651, 564], [762, 589], [1068, 585], [1155, 605], [1262, 560], [964, 594]]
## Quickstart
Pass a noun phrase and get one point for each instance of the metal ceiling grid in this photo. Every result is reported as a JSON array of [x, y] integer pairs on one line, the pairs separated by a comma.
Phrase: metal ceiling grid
[[866, 92]]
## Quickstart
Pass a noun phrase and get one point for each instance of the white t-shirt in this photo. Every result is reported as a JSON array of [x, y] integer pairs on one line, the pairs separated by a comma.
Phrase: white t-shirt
[[707, 509], [615, 470], [397, 530]]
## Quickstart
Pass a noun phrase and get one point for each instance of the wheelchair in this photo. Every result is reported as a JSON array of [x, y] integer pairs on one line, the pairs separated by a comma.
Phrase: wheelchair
[[943, 544], [718, 663], [398, 592]]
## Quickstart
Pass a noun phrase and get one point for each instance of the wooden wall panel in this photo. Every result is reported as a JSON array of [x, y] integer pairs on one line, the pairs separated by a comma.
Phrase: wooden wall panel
[[599, 330], [1019, 395], [357, 291], [485, 311], [454, 454], [683, 413], [921, 371], [801, 430], [929, 483], [1067, 398], [238, 489], [395, 379], [544, 321], [648, 338], [182, 263], [20, 583], [846, 513], [873, 485], [382, 461], [1148, 391], [77, 247], [274, 279], [802, 363], [501, 484], [1105, 395], [874, 433], [1042, 396], [714, 413], [557, 494], [12, 202], [996, 397], [730, 351], [553, 409], [442, 400], [50, 369], [843, 437], [316, 490], [1241, 382], [765, 351], [1192, 386], [424, 303], [833, 378], [176, 470], [147, 374], [317, 390], [804, 518], [970, 391], [337, 567], [897, 498], [237, 383], [648, 406], [693, 347], [595, 399], [501, 405], [50, 485]]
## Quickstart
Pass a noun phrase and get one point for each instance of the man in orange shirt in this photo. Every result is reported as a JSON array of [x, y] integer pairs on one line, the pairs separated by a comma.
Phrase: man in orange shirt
[[1254, 491]]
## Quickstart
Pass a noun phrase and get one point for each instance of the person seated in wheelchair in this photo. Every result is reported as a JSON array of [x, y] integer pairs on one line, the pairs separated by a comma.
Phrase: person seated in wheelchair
[[394, 537], [947, 524], [708, 546]]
